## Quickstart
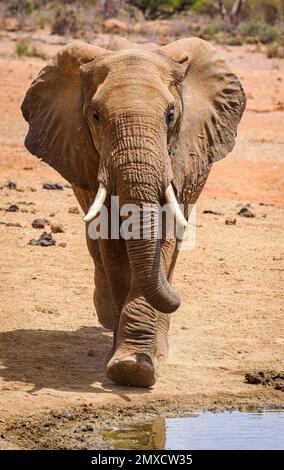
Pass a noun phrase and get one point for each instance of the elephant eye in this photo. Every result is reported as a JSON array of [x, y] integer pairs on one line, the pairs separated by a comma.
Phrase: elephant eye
[[96, 115], [170, 115]]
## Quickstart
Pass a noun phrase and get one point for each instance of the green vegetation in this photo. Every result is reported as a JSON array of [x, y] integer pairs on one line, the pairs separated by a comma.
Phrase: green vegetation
[[231, 22], [262, 32], [275, 50], [23, 50]]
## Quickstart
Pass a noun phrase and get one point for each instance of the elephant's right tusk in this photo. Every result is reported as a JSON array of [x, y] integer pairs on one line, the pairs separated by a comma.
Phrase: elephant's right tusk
[[97, 204], [172, 201]]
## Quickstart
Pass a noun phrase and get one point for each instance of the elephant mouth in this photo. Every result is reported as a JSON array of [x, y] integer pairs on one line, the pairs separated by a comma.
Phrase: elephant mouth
[[169, 197], [149, 275]]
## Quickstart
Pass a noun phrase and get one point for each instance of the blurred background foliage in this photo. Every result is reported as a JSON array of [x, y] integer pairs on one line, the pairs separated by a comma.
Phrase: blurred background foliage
[[230, 22]]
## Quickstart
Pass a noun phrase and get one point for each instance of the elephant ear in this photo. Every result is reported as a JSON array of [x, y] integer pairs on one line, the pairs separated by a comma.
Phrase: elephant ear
[[53, 107], [214, 102]]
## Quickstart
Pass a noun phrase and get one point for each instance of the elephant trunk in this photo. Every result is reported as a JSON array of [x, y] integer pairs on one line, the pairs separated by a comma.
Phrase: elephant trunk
[[141, 179], [149, 274]]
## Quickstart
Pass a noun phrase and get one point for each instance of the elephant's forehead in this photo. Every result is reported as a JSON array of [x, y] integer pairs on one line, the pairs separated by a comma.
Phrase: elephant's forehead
[[136, 61]]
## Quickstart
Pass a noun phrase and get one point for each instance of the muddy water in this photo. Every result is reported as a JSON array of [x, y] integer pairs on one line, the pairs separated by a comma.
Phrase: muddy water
[[225, 430]]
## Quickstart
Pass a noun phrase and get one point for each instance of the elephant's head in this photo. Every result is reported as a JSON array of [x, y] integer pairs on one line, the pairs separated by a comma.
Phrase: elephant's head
[[120, 117]]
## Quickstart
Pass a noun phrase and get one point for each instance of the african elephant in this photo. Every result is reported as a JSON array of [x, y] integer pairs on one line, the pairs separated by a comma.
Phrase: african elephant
[[134, 121]]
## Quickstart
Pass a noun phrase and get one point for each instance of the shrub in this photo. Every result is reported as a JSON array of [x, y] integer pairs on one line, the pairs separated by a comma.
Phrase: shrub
[[208, 7], [259, 30], [275, 50], [234, 41], [210, 30], [268, 11], [23, 50], [21, 6], [155, 8], [65, 22]]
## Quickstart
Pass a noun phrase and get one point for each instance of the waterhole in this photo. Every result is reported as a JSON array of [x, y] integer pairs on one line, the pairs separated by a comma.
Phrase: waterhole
[[205, 430]]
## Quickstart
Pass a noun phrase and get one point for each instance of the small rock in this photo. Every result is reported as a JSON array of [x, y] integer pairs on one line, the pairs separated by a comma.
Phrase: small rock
[[208, 211], [11, 185], [246, 211], [57, 228], [20, 190], [73, 210], [44, 240], [54, 186], [11, 224], [67, 414], [230, 220], [87, 428], [38, 223], [62, 244], [52, 214], [12, 208]]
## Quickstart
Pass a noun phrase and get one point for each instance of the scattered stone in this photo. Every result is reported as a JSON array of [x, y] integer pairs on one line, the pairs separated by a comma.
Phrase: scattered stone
[[73, 210], [20, 190], [12, 224], [44, 240], [230, 220], [208, 211], [11, 185], [38, 223], [269, 378], [246, 211], [68, 415], [25, 203], [52, 214], [57, 228], [54, 186], [62, 244], [28, 168], [87, 428], [12, 208]]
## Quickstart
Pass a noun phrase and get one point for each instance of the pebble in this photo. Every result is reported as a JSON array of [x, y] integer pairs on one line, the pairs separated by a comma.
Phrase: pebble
[[44, 240], [57, 228], [11, 224], [54, 186], [11, 185], [12, 208], [209, 211], [230, 220], [246, 211], [38, 223], [62, 244], [73, 210], [87, 428]]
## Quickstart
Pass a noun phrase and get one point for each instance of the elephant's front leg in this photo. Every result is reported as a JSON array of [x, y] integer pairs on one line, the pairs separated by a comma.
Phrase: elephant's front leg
[[134, 360], [142, 336]]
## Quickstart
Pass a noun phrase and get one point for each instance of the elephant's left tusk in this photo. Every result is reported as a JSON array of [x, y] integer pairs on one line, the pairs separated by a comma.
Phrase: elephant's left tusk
[[97, 204], [172, 201]]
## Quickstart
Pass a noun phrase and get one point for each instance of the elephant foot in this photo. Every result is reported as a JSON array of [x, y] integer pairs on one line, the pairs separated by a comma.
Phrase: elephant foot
[[135, 369]]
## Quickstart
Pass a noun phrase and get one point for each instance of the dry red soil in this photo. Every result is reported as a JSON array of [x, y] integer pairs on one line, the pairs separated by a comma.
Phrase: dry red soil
[[52, 348]]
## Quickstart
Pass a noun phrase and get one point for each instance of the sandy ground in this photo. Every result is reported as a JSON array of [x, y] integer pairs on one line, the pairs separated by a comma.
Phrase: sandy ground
[[52, 349]]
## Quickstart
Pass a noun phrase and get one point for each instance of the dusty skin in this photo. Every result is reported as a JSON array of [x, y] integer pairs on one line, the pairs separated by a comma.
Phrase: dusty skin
[[52, 349]]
